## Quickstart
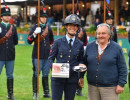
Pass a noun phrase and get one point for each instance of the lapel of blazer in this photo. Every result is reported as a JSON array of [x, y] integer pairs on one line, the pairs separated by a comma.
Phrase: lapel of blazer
[[65, 43], [75, 43]]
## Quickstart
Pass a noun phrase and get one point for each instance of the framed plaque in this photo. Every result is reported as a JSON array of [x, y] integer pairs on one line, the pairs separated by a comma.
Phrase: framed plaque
[[60, 70]]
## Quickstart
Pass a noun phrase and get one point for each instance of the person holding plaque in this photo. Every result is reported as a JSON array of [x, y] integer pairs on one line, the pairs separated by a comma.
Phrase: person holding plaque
[[68, 52]]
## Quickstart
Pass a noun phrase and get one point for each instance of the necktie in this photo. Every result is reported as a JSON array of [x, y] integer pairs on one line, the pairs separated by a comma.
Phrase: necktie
[[70, 42]]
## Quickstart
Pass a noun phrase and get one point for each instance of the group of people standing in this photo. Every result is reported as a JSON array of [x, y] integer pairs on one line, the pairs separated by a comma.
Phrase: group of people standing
[[103, 58]]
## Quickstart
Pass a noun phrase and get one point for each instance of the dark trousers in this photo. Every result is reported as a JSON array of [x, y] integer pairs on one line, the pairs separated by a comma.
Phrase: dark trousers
[[58, 88]]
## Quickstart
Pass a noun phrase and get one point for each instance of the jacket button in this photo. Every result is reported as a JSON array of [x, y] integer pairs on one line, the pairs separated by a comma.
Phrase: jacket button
[[6, 47], [96, 76], [68, 61], [69, 56], [69, 50]]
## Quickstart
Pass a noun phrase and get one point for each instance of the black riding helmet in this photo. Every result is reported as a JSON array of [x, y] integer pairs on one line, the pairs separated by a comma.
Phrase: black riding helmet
[[72, 19]]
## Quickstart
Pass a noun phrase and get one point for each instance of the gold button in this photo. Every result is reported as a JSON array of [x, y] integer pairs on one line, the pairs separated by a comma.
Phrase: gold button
[[67, 61], [69, 50], [69, 56]]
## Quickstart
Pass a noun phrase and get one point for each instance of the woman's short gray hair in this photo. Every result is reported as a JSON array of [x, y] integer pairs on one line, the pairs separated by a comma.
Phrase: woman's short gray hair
[[104, 24]]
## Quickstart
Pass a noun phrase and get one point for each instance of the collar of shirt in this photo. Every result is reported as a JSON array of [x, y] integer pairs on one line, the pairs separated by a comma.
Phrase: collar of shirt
[[99, 49], [5, 24], [68, 39], [42, 25], [123, 23]]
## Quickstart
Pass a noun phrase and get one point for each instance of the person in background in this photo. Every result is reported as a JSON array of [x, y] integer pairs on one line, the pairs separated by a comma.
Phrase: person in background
[[97, 22], [99, 15], [90, 19], [67, 49], [122, 21], [46, 39], [8, 40], [106, 66], [109, 21], [50, 20], [82, 36], [82, 21]]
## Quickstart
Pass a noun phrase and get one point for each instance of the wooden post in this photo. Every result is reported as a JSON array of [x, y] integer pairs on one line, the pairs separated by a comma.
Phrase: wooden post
[[38, 48], [72, 6], [116, 9], [104, 10], [64, 9]]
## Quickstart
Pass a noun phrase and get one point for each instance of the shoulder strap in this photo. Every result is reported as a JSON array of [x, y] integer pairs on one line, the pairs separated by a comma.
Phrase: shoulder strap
[[7, 35], [112, 28], [43, 35]]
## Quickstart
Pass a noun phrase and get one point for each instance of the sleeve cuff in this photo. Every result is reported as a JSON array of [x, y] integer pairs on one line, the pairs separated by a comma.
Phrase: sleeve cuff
[[34, 35], [122, 85]]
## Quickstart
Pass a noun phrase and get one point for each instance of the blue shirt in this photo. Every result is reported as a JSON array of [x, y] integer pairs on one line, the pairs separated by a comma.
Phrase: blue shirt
[[68, 39]]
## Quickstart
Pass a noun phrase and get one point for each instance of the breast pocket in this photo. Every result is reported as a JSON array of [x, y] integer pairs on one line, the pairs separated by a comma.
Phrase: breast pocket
[[62, 54], [77, 54]]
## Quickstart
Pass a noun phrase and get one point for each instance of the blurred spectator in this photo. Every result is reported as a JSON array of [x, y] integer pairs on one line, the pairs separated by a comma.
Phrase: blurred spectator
[[33, 19], [97, 12], [82, 21], [90, 19], [99, 15], [122, 21], [50, 20], [97, 22], [17, 21], [101, 10]]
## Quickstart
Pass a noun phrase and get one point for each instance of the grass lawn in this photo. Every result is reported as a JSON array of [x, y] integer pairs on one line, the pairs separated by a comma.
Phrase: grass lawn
[[23, 78]]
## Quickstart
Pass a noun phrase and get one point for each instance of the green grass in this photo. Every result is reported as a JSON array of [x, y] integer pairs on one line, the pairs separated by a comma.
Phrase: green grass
[[23, 78]]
